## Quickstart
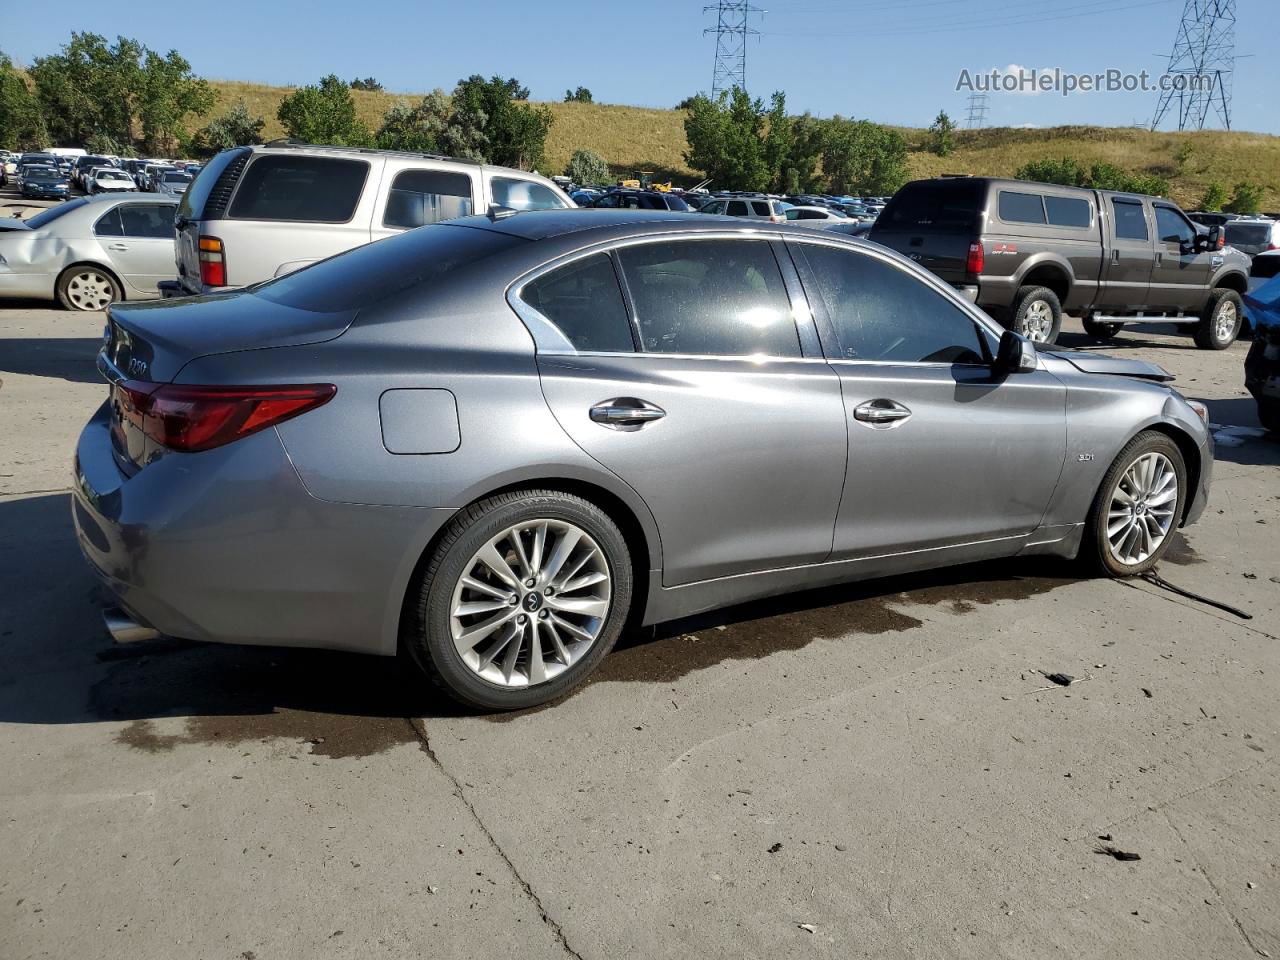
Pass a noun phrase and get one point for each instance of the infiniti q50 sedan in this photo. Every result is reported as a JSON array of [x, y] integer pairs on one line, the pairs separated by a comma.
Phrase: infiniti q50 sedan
[[490, 444]]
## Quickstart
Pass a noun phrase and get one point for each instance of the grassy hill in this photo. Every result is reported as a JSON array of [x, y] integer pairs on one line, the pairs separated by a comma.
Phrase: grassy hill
[[640, 138]]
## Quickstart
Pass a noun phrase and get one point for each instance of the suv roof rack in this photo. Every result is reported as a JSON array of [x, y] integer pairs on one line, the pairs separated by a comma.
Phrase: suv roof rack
[[290, 142]]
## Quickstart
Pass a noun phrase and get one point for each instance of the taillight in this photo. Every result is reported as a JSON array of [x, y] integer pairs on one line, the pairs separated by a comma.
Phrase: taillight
[[213, 262], [777, 218], [1222, 240], [190, 418], [976, 260], [1273, 246]]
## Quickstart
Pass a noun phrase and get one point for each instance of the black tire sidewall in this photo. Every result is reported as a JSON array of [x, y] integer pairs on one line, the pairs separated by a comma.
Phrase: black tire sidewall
[[430, 642], [1206, 333], [1149, 441], [1028, 295]]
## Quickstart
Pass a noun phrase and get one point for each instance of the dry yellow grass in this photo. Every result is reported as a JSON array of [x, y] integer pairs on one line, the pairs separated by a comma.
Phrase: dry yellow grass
[[640, 138]]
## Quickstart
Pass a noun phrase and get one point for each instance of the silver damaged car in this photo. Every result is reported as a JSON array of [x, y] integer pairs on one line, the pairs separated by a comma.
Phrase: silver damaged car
[[493, 443]]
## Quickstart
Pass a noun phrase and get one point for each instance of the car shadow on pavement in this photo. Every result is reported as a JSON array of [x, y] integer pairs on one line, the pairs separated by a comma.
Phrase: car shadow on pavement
[[1130, 338], [1238, 436], [58, 666], [70, 358]]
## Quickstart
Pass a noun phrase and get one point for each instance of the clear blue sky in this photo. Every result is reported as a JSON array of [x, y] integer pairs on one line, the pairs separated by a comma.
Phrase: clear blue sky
[[894, 61]]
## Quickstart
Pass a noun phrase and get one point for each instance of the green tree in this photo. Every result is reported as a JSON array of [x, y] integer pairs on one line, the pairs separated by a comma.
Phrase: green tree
[[419, 128], [323, 113], [367, 83], [21, 122], [169, 93], [863, 157], [942, 139], [1245, 198], [235, 128], [1215, 195], [580, 95], [1099, 176], [779, 141], [587, 166], [105, 146], [725, 141], [490, 118]]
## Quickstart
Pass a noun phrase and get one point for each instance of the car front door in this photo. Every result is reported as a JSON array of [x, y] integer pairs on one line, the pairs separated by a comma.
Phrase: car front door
[[686, 373], [138, 239], [943, 452], [1180, 279], [1129, 258]]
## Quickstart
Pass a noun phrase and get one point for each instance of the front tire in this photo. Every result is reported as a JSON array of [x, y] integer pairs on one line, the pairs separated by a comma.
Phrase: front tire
[[1037, 314], [522, 598], [1220, 320], [1100, 330], [1138, 506], [87, 287]]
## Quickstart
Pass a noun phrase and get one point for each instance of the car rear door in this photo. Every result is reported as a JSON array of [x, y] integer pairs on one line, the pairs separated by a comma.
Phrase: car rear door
[[943, 453], [138, 238], [1130, 256], [681, 367]]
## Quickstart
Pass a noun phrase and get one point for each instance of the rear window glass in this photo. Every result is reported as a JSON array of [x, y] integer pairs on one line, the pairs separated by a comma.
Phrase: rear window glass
[[300, 189], [1021, 207], [1250, 234], [1067, 211], [53, 213], [374, 271], [945, 205], [1130, 223], [419, 197], [584, 301], [194, 198]]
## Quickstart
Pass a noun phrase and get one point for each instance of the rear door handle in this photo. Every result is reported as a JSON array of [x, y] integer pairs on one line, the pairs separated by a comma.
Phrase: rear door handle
[[626, 413], [881, 413], [117, 246]]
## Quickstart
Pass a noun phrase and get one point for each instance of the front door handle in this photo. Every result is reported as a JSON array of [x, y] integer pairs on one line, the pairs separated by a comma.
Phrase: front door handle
[[116, 246], [881, 413], [625, 413]]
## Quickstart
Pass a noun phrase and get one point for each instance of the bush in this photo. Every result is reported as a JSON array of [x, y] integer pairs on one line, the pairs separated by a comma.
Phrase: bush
[[1214, 197], [580, 95], [1100, 176], [324, 113], [587, 166], [1246, 198], [235, 128]]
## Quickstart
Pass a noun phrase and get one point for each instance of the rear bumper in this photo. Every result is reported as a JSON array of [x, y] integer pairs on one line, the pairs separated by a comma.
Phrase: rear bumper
[[227, 546]]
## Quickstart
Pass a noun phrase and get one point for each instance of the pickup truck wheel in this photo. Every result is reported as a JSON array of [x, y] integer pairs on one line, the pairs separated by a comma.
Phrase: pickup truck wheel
[[1037, 314], [1220, 320], [1099, 329]]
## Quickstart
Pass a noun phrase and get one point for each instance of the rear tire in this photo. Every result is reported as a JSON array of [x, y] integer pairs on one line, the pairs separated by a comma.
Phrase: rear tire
[[88, 287], [1037, 314], [477, 584], [1220, 320], [1100, 330], [1137, 507]]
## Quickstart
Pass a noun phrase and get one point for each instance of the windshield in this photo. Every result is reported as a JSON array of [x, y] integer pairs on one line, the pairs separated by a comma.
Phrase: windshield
[[40, 173], [1249, 234], [112, 175], [53, 213]]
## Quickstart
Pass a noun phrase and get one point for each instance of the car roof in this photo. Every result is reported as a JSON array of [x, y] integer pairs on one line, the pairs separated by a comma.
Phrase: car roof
[[541, 224]]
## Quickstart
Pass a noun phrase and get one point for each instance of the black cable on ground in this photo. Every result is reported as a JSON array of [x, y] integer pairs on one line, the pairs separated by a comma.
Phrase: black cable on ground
[[1155, 579]]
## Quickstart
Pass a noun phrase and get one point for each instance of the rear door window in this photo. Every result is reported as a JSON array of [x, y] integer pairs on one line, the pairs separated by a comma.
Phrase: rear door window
[[300, 189], [1021, 207], [584, 301], [1068, 211], [426, 196], [761, 208], [737, 208], [1131, 223], [524, 194], [883, 313], [153, 220], [710, 298], [108, 224]]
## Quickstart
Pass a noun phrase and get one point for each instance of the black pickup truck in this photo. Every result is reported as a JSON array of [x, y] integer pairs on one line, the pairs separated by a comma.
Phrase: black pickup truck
[[1028, 252]]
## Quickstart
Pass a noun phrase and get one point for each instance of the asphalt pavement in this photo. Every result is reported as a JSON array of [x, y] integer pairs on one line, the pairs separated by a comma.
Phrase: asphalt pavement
[[879, 770]]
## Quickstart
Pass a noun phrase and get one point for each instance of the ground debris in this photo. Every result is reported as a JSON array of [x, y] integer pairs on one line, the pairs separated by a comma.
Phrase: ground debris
[[1061, 679], [807, 927], [1116, 853], [775, 848]]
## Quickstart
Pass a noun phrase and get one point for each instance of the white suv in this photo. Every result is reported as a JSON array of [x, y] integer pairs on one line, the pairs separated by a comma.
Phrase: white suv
[[253, 213]]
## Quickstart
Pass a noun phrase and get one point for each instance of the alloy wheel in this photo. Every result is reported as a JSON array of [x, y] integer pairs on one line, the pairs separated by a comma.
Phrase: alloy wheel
[[1142, 508], [530, 603], [1224, 322], [90, 290], [1037, 321]]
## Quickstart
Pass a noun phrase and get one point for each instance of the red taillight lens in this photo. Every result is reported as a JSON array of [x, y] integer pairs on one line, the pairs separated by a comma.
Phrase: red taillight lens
[[1222, 240], [213, 262], [976, 260], [190, 418]]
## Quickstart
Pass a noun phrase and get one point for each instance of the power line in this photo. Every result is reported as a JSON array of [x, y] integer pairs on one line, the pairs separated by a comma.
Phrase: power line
[[977, 118], [1204, 49], [731, 32]]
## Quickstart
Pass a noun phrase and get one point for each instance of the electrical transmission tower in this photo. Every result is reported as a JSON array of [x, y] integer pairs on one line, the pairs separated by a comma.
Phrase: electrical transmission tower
[[731, 30], [1202, 62], [977, 111]]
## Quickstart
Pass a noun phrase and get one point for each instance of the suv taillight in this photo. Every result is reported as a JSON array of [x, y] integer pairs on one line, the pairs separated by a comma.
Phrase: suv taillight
[[976, 260], [213, 262], [192, 418]]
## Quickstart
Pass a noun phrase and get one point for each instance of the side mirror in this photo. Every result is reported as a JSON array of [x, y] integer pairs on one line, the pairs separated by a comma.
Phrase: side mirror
[[1016, 354], [1215, 238]]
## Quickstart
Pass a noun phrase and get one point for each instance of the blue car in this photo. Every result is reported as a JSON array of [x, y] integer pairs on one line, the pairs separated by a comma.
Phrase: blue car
[[45, 183]]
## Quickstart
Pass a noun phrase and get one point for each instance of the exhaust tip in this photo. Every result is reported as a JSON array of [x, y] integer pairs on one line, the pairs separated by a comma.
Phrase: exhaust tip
[[124, 629]]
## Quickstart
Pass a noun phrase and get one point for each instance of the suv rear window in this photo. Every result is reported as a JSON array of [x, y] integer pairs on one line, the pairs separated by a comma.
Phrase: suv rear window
[[300, 189], [1251, 234], [950, 205], [367, 274]]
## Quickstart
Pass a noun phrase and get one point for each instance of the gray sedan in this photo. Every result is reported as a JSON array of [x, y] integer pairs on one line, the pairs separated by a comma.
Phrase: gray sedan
[[491, 444], [89, 252]]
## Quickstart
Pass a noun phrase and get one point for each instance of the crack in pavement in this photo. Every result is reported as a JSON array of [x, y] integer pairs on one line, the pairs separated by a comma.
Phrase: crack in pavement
[[420, 731], [1244, 935]]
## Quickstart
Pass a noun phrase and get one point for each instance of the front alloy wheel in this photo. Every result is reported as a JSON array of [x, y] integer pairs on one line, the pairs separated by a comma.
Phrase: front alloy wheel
[[1138, 505]]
